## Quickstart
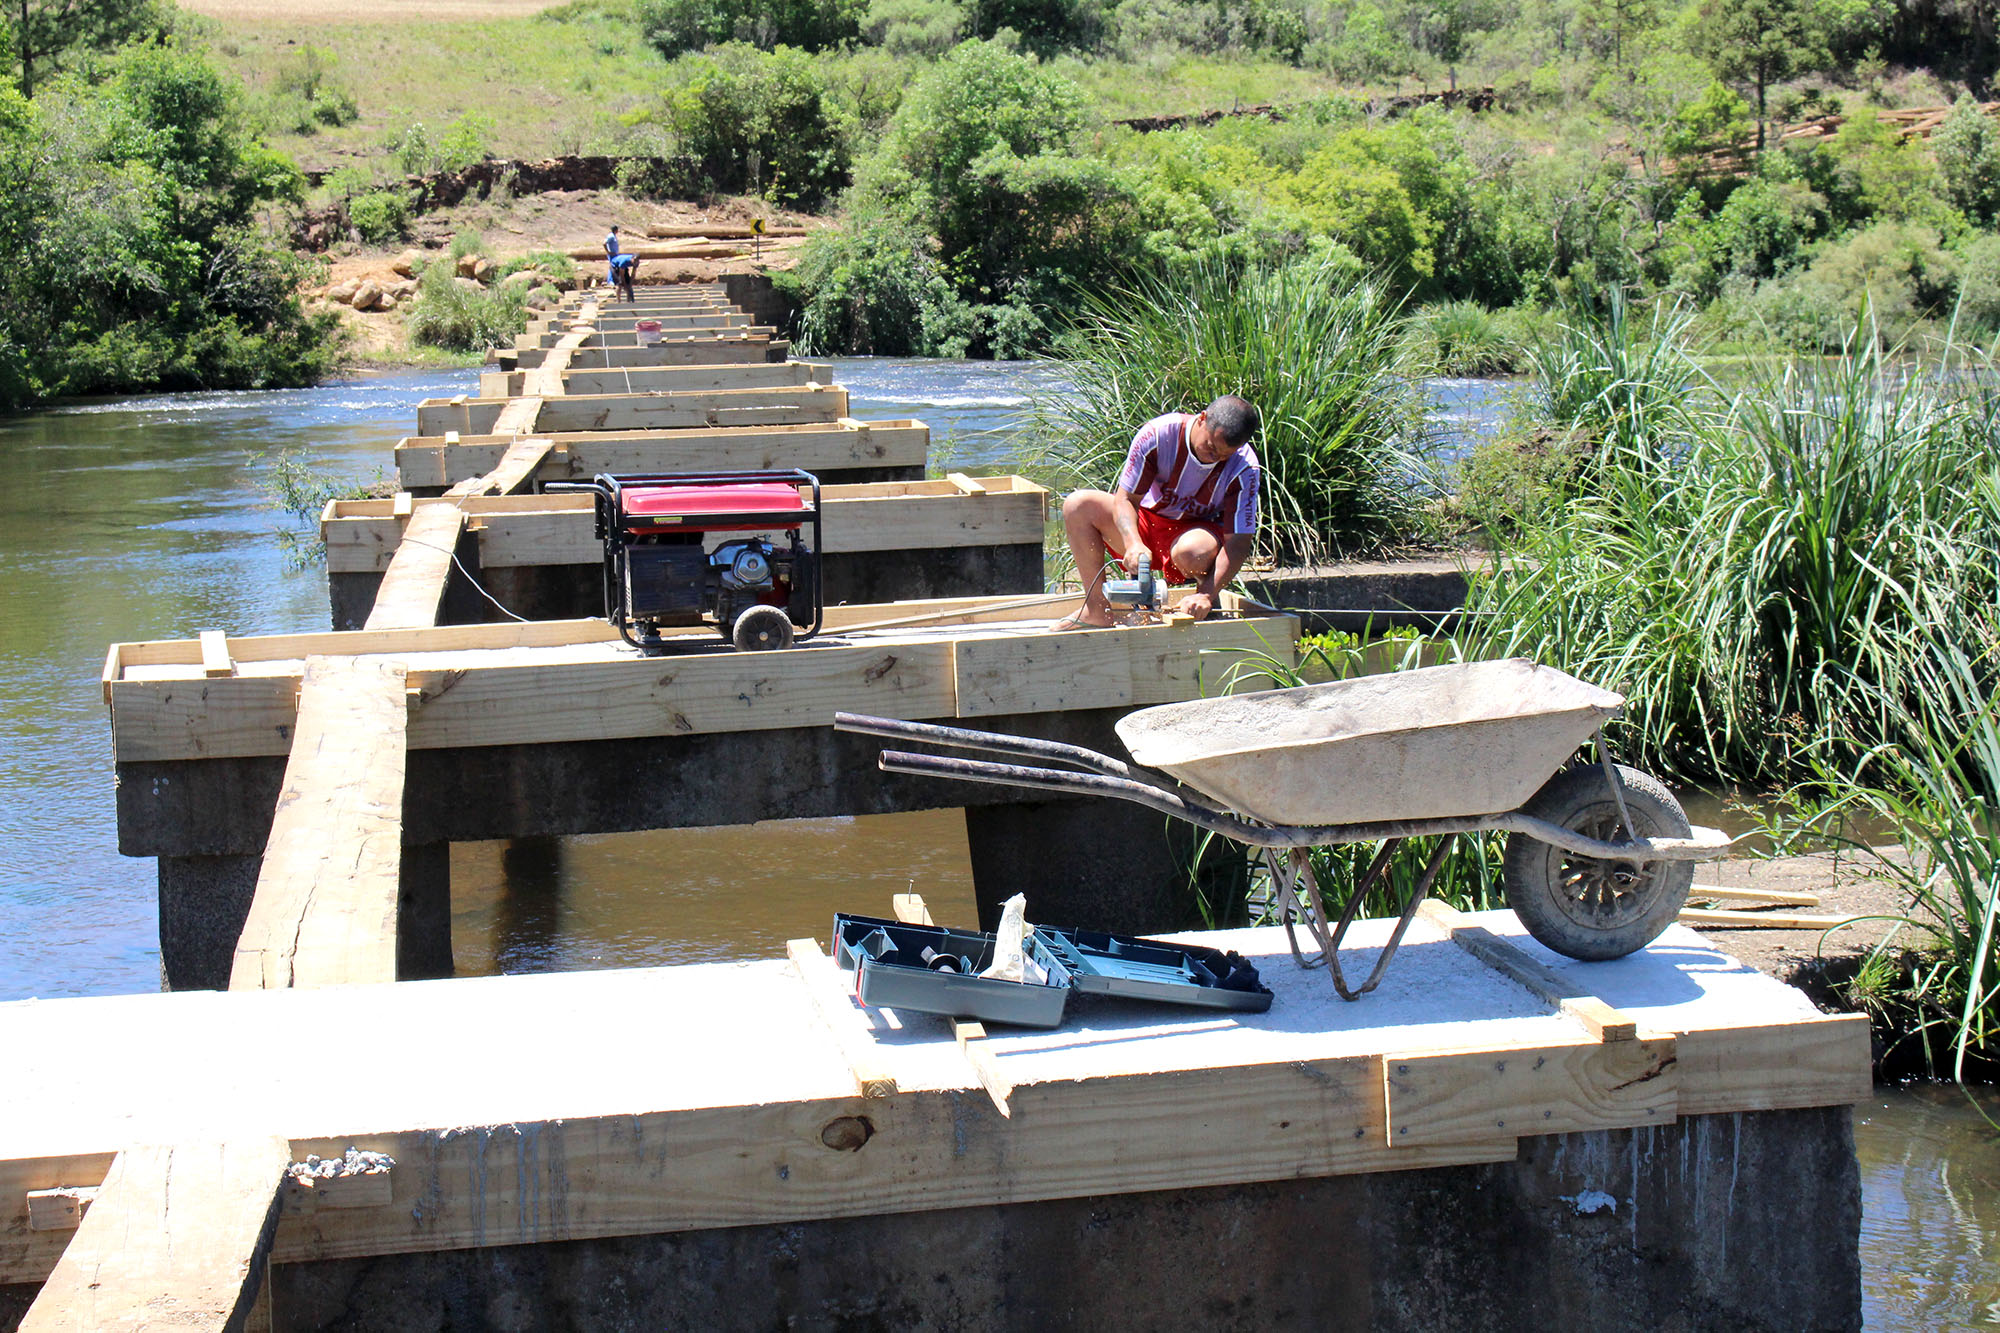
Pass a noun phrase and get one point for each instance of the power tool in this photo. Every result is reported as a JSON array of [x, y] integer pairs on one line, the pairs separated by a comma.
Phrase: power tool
[[1141, 592]]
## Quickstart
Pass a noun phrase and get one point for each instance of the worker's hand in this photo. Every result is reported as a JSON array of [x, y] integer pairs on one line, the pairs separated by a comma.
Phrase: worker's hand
[[1134, 551], [1197, 604]]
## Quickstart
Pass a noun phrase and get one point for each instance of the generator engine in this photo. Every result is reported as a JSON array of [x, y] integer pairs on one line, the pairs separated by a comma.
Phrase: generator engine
[[662, 568]]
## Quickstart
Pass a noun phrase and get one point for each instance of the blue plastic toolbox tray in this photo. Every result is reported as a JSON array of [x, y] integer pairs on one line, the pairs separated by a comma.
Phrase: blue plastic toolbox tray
[[935, 970]]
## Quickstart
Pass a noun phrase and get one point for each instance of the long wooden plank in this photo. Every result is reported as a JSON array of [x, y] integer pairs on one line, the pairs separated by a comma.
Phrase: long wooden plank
[[851, 1028], [1604, 1022], [517, 416], [793, 405], [428, 461], [179, 1237], [1467, 1096], [517, 467], [546, 381], [1819, 1061], [1774, 896], [413, 587], [549, 696], [26, 1253], [795, 1161], [600, 352], [690, 379], [1740, 920], [324, 913]]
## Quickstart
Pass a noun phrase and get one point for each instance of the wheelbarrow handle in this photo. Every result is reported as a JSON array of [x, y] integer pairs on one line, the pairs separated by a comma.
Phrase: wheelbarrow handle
[[1095, 784], [961, 738]]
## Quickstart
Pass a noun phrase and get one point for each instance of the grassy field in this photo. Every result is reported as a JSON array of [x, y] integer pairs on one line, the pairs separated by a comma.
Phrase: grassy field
[[549, 87]]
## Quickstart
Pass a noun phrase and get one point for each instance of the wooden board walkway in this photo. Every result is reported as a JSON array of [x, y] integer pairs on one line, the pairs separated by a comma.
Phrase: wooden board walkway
[[364, 536], [433, 462], [548, 681], [639, 411]]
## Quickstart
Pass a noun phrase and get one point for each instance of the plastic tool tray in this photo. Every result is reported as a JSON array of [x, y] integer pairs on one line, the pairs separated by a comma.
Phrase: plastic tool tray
[[935, 970]]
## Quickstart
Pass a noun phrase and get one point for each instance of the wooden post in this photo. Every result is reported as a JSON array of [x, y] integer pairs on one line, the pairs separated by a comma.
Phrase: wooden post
[[325, 909], [179, 1237]]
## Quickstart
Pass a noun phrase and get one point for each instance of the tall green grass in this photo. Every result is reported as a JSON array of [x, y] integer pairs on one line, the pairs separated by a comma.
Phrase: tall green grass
[[1624, 383], [1320, 353], [1796, 584]]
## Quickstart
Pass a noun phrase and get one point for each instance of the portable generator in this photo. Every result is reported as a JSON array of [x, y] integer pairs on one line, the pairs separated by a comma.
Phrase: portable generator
[[662, 568]]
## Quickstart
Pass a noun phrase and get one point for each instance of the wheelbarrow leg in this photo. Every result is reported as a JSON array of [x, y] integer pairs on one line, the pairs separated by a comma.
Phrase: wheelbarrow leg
[[1299, 870]]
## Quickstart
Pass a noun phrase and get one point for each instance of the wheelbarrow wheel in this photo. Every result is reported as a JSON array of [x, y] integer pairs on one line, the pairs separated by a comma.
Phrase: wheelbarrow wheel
[[762, 629], [1588, 908]]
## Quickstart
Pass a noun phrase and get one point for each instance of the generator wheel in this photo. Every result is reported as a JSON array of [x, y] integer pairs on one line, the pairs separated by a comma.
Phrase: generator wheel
[[762, 629], [1588, 908]]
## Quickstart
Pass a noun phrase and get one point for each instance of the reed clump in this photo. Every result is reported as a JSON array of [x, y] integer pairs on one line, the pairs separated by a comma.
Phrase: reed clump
[[1795, 583], [1320, 352]]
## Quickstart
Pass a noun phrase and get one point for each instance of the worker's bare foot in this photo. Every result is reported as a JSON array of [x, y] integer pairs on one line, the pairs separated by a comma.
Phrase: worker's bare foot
[[1078, 620]]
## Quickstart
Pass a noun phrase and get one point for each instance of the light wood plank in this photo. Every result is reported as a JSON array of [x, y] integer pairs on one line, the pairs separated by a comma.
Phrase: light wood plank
[[215, 654], [743, 1165], [689, 379], [59, 1209], [1819, 1061], [516, 417], [849, 1025], [1466, 1096], [1738, 920], [910, 909], [426, 462], [1605, 1022], [1042, 672], [413, 586], [180, 1237], [1773, 896], [28, 1253], [325, 907]]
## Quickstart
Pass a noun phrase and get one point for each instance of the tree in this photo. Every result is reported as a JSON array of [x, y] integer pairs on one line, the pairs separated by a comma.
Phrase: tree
[[41, 32], [1760, 42]]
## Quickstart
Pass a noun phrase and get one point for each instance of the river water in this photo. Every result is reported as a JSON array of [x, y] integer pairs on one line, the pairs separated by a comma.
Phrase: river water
[[147, 518]]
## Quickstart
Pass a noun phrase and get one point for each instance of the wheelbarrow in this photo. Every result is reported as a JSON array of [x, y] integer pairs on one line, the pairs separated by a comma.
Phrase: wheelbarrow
[[1599, 856]]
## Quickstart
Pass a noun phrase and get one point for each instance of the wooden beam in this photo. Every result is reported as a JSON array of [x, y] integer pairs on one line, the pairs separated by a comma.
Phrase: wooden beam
[[517, 416], [180, 1237], [59, 1209], [910, 909], [325, 908], [694, 379], [413, 586], [1517, 965], [215, 654], [1733, 920], [1714, 893], [516, 469], [1466, 1096], [851, 1027], [598, 690], [428, 461]]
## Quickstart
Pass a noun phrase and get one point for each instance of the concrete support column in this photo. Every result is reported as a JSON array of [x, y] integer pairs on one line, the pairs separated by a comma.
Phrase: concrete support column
[[423, 913], [204, 901], [1747, 1221], [1094, 863]]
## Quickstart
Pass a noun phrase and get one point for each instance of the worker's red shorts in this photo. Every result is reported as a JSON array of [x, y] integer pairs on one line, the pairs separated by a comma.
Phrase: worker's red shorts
[[1159, 534]]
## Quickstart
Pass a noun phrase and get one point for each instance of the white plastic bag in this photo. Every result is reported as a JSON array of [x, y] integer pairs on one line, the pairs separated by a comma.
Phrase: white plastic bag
[[1010, 959]]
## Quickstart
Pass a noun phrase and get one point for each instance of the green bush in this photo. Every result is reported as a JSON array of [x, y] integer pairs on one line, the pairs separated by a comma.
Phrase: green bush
[[1465, 338], [461, 316], [1967, 150], [380, 215], [676, 27], [757, 122], [916, 27], [1883, 282]]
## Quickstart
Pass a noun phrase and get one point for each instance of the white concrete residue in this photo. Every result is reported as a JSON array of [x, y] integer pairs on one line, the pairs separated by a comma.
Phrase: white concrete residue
[[1590, 1202], [353, 1162]]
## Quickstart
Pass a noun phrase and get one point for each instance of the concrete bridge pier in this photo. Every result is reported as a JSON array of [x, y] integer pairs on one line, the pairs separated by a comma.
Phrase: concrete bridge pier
[[1745, 1220], [1098, 864], [205, 899]]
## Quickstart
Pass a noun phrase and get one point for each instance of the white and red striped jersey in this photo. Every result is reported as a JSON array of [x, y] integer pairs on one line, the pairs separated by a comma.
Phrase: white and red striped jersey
[[1163, 475]]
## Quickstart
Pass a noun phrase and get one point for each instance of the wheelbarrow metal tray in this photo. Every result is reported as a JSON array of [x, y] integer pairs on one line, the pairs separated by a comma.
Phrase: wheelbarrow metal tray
[[1437, 743]]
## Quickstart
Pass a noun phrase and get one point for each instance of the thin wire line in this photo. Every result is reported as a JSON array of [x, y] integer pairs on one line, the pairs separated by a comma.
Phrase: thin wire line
[[476, 585]]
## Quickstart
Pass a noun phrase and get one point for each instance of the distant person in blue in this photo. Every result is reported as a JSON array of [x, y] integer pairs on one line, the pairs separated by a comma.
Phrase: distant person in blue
[[611, 244], [622, 269]]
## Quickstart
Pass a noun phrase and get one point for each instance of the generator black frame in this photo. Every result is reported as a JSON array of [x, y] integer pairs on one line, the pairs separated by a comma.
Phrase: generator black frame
[[615, 528]]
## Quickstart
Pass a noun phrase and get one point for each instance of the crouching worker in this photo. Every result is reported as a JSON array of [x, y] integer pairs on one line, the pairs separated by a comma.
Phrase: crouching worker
[[1187, 495], [623, 267]]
